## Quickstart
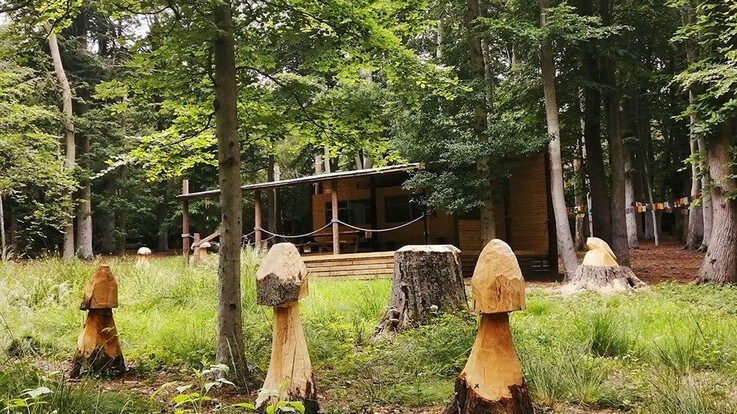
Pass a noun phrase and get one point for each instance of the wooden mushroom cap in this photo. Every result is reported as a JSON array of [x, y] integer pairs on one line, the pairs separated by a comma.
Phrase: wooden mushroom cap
[[101, 291], [282, 277], [497, 284], [599, 254]]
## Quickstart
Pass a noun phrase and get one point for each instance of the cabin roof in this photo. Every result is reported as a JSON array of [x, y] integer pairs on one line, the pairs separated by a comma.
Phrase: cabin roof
[[310, 179]]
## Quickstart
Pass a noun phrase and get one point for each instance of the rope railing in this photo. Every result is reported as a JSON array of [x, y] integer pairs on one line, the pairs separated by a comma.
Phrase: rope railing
[[296, 236], [382, 230], [313, 232]]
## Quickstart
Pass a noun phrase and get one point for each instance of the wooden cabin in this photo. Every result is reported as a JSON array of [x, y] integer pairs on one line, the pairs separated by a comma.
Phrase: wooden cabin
[[380, 217]]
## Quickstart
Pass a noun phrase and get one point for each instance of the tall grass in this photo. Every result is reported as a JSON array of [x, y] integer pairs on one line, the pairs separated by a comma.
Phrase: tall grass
[[668, 351]]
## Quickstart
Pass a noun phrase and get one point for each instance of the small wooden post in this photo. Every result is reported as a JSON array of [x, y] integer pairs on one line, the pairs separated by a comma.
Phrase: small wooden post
[[195, 247], [185, 221], [425, 219], [98, 348], [281, 281], [334, 205], [257, 218]]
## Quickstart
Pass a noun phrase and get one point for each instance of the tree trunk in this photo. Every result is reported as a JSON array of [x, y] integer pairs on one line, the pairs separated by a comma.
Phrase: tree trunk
[[230, 348], [84, 209], [707, 210], [616, 151], [483, 165], [579, 189], [106, 217], [274, 216], [695, 234], [3, 245], [600, 214], [720, 262], [557, 192], [427, 280], [629, 200], [68, 125]]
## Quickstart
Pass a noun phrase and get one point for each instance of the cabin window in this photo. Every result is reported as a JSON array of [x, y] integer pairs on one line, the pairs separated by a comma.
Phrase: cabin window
[[356, 212], [400, 209]]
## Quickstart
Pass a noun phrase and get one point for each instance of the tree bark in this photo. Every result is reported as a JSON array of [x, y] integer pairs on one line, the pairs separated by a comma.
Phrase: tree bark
[[707, 210], [427, 280], [579, 198], [616, 151], [600, 214], [557, 193], [84, 209], [68, 126], [230, 347], [695, 235], [720, 262], [483, 165], [629, 200], [3, 251]]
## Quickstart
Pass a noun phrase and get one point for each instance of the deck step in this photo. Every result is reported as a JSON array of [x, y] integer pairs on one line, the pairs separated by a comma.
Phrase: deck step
[[381, 264]]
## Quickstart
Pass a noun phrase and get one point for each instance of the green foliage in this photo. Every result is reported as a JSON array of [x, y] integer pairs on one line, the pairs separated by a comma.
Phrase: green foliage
[[33, 182], [712, 74]]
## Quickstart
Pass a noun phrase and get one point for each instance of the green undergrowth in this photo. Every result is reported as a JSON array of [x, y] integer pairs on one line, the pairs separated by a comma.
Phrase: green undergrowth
[[668, 351]]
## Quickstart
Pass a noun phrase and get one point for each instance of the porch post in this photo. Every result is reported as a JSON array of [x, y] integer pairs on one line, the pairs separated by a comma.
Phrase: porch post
[[185, 221], [425, 219], [334, 205], [257, 217]]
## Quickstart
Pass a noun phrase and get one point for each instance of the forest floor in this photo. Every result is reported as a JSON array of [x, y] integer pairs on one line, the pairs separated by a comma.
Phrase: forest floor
[[667, 351]]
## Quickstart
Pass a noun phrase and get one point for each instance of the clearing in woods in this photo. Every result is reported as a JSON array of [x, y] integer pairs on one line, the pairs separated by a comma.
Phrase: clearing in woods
[[668, 351]]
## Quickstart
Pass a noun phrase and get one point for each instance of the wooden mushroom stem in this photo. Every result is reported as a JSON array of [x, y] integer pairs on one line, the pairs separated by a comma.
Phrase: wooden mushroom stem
[[492, 380], [290, 368], [98, 347]]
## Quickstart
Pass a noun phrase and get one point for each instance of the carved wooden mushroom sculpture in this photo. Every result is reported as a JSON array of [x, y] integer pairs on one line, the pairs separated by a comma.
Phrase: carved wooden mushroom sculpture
[[202, 251], [142, 256], [492, 380], [280, 282], [98, 348], [600, 272]]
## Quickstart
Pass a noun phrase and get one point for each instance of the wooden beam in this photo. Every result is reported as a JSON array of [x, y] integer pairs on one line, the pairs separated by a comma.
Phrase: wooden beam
[[211, 237], [392, 169], [185, 221], [334, 205], [257, 217]]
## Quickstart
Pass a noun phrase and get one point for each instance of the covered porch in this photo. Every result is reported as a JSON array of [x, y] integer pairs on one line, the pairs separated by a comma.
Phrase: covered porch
[[358, 219]]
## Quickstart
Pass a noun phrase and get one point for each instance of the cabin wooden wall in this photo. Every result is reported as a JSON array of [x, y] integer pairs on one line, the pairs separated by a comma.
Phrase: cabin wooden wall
[[521, 218]]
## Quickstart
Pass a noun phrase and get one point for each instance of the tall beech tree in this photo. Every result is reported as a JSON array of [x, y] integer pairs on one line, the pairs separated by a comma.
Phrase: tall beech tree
[[566, 250], [230, 346], [712, 76], [70, 147]]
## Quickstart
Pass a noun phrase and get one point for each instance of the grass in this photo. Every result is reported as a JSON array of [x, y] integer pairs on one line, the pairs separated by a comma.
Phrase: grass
[[669, 351]]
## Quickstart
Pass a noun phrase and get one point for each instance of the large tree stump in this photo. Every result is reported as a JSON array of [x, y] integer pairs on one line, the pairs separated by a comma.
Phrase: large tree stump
[[280, 282], [601, 273], [427, 280], [98, 348], [492, 381]]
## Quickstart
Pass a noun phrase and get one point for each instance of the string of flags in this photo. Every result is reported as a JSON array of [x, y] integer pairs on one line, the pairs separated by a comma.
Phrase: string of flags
[[638, 207]]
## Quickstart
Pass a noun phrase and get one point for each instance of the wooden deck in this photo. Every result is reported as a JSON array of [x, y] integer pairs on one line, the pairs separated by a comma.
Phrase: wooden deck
[[351, 265], [381, 264]]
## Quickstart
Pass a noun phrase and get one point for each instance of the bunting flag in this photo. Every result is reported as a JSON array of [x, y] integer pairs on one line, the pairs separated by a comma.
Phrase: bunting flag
[[638, 207]]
